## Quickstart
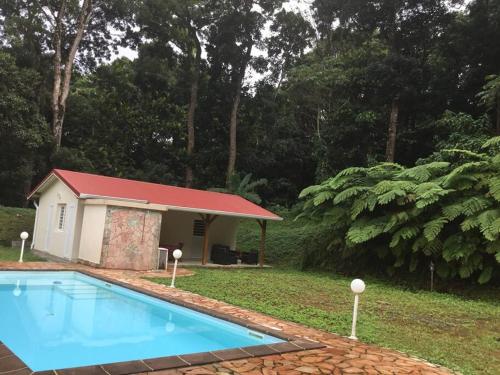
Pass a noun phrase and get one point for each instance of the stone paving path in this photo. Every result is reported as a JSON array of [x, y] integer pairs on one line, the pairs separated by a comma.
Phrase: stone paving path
[[341, 355]]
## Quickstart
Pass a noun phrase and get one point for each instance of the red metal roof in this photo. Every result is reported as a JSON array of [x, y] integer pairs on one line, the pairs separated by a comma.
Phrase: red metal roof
[[172, 196]]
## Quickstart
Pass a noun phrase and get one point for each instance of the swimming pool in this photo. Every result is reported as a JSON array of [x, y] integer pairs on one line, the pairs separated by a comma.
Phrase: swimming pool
[[55, 320]]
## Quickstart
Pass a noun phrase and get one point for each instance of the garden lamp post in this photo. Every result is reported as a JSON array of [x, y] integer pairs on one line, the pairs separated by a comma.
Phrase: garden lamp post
[[24, 236], [177, 255], [357, 287]]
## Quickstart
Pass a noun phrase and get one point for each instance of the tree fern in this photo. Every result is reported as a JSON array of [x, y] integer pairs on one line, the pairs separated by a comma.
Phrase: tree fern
[[466, 153], [364, 230], [408, 215], [390, 196], [469, 223], [429, 193], [433, 228], [494, 184], [349, 193], [350, 171], [404, 233], [474, 205], [423, 173], [366, 201], [455, 173], [322, 197], [489, 224], [492, 142], [310, 190]]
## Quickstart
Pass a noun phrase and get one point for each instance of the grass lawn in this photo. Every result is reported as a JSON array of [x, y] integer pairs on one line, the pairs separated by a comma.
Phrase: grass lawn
[[13, 221], [460, 332], [12, 254], [9, 254]]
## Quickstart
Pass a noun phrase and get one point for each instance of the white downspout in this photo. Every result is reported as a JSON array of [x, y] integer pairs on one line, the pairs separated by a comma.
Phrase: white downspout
[[34, 227]]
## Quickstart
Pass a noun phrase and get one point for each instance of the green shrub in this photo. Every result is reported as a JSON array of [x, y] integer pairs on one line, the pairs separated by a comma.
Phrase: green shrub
[[444, 211]]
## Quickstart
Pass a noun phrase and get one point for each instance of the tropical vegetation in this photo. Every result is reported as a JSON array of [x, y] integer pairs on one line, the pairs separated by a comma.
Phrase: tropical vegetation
[[243, 186], [191, 92], [446, 212]]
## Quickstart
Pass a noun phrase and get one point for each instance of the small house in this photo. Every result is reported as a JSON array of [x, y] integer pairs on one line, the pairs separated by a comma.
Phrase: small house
[[119, 223]]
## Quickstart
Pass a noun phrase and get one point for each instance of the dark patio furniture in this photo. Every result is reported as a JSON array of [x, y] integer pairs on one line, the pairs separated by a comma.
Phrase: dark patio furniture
[[249, 258], [222, 254]]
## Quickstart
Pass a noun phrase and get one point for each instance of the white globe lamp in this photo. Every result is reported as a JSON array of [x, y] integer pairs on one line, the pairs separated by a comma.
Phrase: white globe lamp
[[357, 286], [177, 255], [24, 236]]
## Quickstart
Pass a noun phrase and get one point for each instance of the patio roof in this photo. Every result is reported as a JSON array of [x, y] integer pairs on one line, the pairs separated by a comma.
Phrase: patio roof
[[88, 186]]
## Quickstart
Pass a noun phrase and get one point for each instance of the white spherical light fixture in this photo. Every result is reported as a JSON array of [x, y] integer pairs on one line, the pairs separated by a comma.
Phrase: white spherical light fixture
[[358, 286], [24, 236], [177, 253]]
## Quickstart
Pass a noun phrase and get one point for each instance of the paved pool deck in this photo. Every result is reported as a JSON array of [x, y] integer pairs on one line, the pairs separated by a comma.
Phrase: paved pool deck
[[339, 355]]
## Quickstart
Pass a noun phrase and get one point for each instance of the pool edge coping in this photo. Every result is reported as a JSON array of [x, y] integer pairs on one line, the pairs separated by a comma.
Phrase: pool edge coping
[[290, 344]]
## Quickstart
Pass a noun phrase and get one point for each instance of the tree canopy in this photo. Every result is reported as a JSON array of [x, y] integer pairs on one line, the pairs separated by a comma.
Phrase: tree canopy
[[227, 88]]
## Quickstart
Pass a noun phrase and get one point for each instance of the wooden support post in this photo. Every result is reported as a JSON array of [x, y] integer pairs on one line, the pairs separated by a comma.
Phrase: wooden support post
[[262, 247], [207, 220]]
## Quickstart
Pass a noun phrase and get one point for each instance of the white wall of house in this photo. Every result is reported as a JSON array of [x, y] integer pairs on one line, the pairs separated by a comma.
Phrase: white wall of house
[[177, 226], [55, 239], [92, 230]]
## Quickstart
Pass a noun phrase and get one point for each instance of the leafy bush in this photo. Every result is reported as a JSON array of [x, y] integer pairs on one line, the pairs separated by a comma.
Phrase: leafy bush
[[446, 211]]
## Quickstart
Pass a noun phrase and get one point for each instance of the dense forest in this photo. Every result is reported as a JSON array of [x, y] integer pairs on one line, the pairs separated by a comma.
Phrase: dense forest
[[291, 92]]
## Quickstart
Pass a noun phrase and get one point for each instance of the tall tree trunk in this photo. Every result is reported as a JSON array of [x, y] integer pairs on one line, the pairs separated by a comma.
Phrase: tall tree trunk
[[193, 102], [60, 89], [57, 62], [233, 123], [390, 149]]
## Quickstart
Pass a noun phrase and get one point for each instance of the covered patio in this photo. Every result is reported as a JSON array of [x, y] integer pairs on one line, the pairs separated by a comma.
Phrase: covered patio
[[210, 238]]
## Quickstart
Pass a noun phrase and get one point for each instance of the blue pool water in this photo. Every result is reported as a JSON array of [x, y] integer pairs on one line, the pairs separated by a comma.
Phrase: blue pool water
[[54, 320]]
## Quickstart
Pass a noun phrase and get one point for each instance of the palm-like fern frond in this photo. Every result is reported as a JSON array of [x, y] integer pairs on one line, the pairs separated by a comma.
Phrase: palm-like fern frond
[[409, 214]]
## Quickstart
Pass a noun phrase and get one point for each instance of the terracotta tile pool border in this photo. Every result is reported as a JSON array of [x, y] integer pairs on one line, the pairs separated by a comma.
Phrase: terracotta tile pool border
[[10, 364]]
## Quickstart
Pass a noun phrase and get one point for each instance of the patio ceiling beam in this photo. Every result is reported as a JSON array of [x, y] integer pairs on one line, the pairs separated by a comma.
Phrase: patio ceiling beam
[[262, 245], [207, 220]]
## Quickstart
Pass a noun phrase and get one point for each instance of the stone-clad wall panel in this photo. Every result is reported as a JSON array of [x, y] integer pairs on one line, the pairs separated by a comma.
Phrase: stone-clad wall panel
[[131, 238]]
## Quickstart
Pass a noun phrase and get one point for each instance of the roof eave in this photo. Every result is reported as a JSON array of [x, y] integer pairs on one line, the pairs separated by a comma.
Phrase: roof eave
[[41, 184], [224, 213]]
